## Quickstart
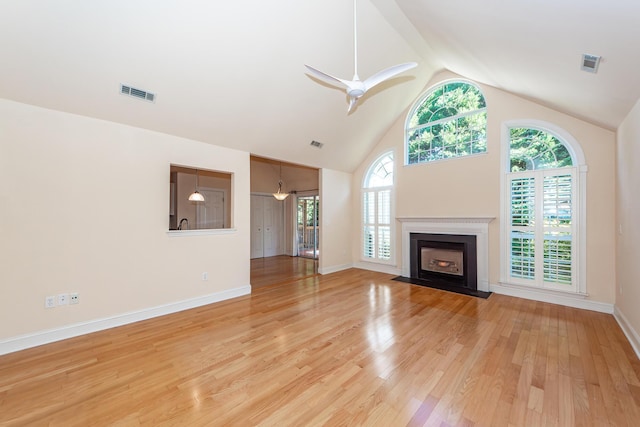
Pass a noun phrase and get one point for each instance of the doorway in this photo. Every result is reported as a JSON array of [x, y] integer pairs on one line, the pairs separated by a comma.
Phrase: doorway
[[308, 226], [266, 226]]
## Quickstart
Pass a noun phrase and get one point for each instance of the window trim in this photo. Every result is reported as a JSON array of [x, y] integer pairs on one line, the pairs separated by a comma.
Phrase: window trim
[[419, 102], [392, 222], [580, 238]]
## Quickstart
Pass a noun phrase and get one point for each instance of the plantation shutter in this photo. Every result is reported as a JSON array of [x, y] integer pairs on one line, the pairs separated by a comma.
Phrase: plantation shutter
[[523, 227], [369, 222], [377, 224], [384, 224], [558, 228], [541, 223]]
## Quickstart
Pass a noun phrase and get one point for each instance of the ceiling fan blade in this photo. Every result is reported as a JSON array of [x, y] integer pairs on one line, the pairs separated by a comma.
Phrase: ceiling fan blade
[[326, 77], [387, 73], [352, 103]]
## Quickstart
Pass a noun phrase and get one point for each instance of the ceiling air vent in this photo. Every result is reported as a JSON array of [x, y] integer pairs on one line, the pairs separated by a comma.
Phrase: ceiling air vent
[[316, 144], [590, 63], [137, 93]]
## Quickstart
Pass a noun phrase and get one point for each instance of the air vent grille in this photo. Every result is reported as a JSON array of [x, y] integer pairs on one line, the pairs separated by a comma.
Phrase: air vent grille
[[137, 93], [316, 144], [590, 63]]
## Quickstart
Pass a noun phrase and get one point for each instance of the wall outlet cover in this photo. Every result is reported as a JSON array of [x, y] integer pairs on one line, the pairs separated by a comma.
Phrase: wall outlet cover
[[63, 299], [50, 301]]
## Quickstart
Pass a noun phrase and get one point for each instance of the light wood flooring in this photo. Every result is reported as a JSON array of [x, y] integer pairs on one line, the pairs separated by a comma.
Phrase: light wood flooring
[[349, 348], [281, 269]]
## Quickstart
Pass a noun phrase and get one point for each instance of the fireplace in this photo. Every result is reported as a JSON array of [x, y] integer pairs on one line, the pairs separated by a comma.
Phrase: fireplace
[[447, 234], [444, 259]]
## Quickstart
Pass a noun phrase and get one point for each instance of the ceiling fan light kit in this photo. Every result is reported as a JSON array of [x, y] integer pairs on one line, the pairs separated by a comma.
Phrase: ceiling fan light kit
[[355, 87]]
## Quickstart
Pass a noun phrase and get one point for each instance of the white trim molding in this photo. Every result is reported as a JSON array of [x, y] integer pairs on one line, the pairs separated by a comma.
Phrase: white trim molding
[[202, 232], [473, 226], [627, 329], [58, 334], [334, 268], [379, 267], [568, 299]]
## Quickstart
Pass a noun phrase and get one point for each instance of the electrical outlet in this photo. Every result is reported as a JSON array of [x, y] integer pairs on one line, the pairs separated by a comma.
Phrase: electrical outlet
[[205, 276], [50, 301], [63, 299], [74, 298]]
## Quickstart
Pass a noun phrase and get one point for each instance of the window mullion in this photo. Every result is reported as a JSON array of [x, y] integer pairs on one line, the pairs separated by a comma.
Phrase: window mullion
[[539, 228], [376, 233]]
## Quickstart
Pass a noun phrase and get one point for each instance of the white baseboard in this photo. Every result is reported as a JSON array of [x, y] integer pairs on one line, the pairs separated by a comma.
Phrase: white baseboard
[[48, 336], [380, 268], [630, 333], [551, 297], [334, 268]]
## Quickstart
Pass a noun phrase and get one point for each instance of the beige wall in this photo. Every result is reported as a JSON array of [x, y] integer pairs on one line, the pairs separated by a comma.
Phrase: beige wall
[[84, 208], [628, 203], [470, 186], [336, 232]]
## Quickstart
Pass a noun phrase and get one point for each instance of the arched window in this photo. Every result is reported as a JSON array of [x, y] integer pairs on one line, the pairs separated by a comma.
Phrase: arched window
[[377, 210], [448, 121], [543, 210]]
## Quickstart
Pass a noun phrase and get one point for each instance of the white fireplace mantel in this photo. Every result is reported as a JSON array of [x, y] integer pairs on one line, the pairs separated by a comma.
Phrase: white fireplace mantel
[[474, 226]]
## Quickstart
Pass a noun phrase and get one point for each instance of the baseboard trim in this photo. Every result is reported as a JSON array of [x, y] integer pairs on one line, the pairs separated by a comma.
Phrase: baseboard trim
[[627, 329], [334, 268], [380, 268], [23, 342], [553, 298]]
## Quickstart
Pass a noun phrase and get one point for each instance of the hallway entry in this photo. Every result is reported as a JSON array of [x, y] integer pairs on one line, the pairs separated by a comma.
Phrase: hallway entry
[[267, 228]]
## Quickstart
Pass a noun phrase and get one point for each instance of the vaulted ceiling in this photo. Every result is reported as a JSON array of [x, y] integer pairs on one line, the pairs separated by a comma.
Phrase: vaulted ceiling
[[231, 73]]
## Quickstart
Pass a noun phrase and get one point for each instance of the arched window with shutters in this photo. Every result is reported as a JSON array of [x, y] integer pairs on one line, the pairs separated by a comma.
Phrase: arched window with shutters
[[377, 211], [543, 239]]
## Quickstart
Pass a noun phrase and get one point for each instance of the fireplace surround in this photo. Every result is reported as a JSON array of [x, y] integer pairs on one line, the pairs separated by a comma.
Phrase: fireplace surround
[[469, 226]]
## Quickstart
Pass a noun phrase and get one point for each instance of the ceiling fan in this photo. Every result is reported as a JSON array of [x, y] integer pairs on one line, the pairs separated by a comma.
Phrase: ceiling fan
[[355, 87]]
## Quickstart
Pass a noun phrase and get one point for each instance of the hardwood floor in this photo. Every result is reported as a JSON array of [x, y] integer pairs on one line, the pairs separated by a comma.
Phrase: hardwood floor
[[349, 348], [281, 269]]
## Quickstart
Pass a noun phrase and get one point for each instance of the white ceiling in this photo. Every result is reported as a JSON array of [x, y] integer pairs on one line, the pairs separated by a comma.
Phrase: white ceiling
[[231, 73], [534, 48]]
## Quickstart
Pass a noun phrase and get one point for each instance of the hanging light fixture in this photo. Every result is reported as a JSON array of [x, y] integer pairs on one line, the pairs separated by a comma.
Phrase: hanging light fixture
[[280, 195], [196, 196]]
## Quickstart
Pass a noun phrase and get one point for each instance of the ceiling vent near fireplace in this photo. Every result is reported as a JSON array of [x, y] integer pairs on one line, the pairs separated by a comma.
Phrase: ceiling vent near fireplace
[[316, 144], [590, 63], [137, 93]]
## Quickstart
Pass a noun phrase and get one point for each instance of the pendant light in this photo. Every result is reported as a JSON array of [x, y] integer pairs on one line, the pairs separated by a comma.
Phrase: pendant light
[[196, 196], [280, 195]]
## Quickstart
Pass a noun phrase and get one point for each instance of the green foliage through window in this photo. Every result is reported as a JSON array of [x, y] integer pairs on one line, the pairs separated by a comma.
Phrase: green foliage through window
[[451, 121], [533, 149]]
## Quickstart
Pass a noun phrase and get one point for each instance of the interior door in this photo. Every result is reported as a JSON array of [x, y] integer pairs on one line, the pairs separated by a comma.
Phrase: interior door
[[267, 226], [257, 235], [270, 227], [211, 213]]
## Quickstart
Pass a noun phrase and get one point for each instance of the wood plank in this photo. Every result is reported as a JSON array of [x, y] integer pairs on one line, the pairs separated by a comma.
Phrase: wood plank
[[349, 348]]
